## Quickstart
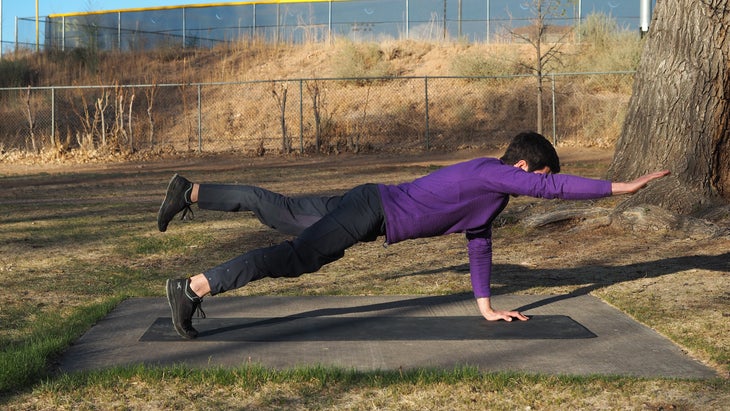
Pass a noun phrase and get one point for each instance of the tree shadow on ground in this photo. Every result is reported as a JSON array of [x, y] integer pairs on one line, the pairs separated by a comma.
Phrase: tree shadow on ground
[[589, 278]]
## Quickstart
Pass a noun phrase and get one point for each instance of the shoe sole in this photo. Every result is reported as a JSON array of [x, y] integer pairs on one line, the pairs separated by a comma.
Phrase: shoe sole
[[162, 206], [170, 301]]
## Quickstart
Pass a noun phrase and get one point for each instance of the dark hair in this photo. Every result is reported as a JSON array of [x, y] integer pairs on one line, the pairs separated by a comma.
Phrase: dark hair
[[535, 149]]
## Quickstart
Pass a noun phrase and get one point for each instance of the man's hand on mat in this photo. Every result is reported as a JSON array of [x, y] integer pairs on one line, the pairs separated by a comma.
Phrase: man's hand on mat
[[485, 307]]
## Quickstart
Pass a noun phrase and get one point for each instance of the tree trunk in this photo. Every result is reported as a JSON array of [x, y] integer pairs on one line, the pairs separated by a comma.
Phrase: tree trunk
[[539, 88], [540, 30], [679, 113]]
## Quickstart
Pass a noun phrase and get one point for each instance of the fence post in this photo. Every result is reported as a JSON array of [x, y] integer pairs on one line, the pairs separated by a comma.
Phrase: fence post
[[53, 115], [119, 31], [200, 120], [426, 136], [330, 38], [301, 116], [408, 16], [184, 29]]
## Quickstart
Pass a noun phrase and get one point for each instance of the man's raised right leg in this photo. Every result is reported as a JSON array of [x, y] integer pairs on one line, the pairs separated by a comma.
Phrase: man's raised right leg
[[178, 197], [288, 215]]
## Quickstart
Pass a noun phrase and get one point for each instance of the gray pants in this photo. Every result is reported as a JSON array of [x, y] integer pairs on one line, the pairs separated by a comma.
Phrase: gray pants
[[324, 228]]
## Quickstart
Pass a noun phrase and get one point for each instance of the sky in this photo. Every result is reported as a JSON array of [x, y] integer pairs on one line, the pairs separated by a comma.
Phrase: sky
[[26, 8]]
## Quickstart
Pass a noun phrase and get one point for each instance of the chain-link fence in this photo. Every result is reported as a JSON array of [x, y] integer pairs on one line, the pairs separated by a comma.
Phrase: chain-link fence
[[313, 115]]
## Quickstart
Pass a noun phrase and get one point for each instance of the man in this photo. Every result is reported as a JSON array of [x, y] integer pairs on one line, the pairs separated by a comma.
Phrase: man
[[464, 197]]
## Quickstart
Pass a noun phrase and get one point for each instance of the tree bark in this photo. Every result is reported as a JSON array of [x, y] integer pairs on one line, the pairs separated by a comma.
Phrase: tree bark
[[679, 113]]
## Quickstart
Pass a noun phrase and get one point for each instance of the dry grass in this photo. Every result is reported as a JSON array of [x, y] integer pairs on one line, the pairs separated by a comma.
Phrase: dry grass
[[72, 238], [378, 393]]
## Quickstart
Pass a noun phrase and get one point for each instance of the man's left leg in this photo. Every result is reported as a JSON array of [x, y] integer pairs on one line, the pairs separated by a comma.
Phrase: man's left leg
[[358, 218]]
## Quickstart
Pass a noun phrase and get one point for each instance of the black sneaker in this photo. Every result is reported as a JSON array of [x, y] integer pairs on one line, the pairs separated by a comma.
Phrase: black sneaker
[[176, 200], [183, 307]]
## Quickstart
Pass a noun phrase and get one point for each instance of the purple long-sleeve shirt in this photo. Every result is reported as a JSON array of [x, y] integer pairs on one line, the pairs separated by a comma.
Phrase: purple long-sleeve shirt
[[466, 197]]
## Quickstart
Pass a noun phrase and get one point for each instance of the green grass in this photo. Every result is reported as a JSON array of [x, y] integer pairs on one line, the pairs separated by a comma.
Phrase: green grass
[[317, 387], [24, 363], [156, 245], [253, 376]]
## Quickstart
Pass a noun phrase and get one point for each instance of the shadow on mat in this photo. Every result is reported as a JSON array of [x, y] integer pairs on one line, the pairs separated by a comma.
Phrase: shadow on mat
[[402, 305]]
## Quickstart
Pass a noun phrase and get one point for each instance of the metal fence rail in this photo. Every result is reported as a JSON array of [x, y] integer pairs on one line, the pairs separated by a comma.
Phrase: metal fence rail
[[310, 115]]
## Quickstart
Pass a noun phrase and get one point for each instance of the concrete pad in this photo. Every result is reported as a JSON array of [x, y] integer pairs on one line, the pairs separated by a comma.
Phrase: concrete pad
[[577, 335]]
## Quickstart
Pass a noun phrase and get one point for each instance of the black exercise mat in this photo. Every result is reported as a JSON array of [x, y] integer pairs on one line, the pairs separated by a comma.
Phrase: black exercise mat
[[372, 329]]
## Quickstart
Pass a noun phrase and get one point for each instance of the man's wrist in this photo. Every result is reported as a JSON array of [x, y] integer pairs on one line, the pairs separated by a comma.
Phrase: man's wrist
[[485, 305]]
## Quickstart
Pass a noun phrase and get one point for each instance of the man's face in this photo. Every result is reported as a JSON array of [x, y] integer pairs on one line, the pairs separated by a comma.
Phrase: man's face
[[523, 165], [545, 170]]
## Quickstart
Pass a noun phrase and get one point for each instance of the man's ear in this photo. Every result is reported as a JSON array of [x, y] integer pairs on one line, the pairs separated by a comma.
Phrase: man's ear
[[522, 164]]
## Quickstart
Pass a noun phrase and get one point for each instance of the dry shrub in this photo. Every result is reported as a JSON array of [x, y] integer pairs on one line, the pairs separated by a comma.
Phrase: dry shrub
[[490, 61], [353, 61], [605, 46]]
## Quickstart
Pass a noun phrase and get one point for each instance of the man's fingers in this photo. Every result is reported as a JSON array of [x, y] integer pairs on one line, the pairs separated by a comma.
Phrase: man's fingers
[[506, 316], [514, 314], [520, 316], [655, 175]]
